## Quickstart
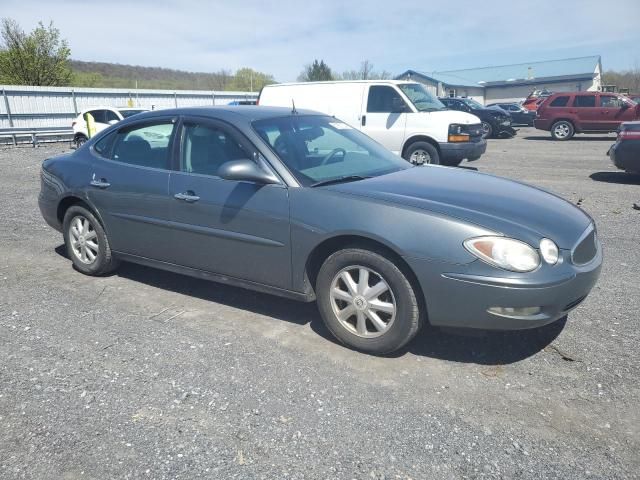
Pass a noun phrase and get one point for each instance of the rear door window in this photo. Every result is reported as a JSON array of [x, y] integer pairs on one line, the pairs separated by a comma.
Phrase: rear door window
[[144, 146], [559, 101], [584, 101]]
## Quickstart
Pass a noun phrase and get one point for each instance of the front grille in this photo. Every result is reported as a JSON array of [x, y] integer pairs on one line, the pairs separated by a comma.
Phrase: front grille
[[586, 248]]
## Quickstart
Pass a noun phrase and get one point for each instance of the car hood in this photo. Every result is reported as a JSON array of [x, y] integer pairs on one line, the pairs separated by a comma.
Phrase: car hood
[[498, 204]]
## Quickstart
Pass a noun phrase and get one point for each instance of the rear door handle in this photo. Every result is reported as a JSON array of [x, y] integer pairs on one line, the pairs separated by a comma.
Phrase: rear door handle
[[102, 183], [188, 197]]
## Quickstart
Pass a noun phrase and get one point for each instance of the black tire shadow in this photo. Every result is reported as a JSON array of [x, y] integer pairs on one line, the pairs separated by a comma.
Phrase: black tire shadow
[[622, 178], [465, 346]]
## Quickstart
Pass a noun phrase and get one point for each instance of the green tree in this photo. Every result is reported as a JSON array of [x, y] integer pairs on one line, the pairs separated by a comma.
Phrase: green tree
[[38, 58], [247, 79], [318, 71]]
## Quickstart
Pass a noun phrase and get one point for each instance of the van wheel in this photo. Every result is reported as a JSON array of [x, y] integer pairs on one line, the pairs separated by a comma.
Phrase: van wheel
[[562, 130], [421, 153], [367, 302]]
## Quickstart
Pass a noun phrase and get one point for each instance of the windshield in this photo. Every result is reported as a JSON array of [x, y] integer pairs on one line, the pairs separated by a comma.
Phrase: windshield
[[129, 113], [472, 103], [317, 149], [421, 98]]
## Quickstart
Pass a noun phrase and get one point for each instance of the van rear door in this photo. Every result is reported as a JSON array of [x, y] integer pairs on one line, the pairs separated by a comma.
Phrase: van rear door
[[384, 116]]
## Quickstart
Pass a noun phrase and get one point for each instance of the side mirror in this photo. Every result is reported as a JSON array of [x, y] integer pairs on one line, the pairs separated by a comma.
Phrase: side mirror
[[624, 106], [245, 171]]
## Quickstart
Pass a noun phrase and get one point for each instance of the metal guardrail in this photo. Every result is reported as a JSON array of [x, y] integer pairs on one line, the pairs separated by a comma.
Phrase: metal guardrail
[[32, 134]]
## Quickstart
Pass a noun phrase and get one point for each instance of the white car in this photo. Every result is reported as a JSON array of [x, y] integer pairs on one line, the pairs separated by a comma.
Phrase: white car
[[402, 116], [104, 117]]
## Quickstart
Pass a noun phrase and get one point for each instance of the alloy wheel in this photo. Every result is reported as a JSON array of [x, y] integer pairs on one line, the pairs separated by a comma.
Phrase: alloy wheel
[[84, 240], [362, 301], [561, 130]]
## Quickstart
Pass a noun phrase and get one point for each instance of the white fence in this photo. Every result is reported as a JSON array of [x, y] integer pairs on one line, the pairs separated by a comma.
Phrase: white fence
[[35, 107]]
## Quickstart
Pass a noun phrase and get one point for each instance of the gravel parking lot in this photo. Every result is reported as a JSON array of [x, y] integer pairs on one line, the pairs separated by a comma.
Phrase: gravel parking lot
[[148, 374]]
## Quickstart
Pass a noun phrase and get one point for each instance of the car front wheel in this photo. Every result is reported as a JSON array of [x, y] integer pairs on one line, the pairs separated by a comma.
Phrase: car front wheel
[[86, 242], [367, 302], [487, 130]]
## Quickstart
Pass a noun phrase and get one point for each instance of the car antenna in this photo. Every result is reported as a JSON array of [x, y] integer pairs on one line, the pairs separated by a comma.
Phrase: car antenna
[[293, 110]]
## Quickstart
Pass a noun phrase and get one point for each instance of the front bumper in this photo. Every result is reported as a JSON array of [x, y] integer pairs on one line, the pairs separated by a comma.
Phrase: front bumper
[[456, 152], [461, 295], [626, 155]]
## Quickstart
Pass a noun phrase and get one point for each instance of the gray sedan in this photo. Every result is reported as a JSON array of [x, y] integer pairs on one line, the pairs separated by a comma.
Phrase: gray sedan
[[301, 205]]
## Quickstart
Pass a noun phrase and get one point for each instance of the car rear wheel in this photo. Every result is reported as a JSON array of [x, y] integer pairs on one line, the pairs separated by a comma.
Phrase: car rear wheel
[[562, 130], [487, 130], [86, 242], [422, 153], [80, 140], [367, 302]]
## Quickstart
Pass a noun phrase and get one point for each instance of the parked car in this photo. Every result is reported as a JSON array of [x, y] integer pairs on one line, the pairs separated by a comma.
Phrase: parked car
[[103, 117], [565, 114], [519, 114], [495, 123], [402, 116], [625, 153], [302, 205]]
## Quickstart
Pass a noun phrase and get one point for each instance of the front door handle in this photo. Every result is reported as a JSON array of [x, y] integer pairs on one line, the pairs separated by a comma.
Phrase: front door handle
[[188, 197], [102, 183], [364, 120]]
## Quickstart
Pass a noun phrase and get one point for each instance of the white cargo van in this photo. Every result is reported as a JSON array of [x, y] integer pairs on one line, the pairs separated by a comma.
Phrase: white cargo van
[[403, 116]]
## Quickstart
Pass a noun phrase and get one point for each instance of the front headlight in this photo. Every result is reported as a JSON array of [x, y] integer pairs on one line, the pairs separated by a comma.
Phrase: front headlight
[[505, 253], [458, 133]]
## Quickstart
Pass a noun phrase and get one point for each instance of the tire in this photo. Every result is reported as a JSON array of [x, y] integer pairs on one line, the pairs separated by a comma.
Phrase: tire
[[487, 129], [396, 307], [80, 140], [87, 243], [562, 130], [421, 153]]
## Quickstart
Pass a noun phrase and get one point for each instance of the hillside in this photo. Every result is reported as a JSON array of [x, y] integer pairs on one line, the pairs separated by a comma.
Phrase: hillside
[[115, 75]]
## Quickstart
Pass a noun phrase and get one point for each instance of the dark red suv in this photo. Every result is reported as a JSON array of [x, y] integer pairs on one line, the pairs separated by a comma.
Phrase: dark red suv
[[567, 113]]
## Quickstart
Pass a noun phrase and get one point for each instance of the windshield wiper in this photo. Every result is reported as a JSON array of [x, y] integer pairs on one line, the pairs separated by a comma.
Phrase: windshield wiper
[[346, 178]]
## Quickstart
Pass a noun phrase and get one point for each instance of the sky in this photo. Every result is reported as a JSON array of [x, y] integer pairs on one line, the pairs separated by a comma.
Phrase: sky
[[281, 37]]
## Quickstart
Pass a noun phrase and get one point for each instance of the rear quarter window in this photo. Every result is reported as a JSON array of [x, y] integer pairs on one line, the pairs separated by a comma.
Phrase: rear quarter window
[[560, 101]]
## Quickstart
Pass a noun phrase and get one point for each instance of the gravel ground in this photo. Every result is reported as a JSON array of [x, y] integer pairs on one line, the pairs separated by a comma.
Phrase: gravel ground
[[147, 374]]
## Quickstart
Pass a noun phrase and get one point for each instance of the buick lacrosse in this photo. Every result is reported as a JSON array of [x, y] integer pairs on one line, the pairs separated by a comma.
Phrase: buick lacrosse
[[302, 205]]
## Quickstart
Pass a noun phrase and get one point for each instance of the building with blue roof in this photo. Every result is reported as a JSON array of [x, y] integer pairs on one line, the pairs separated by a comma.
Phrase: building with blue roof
[[513, 83]]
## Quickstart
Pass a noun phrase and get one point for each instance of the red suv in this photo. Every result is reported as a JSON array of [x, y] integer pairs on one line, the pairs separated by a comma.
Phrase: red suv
[[564, 114]]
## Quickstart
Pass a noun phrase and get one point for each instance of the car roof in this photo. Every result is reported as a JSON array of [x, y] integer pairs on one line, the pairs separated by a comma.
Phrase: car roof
[[248, 112]]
